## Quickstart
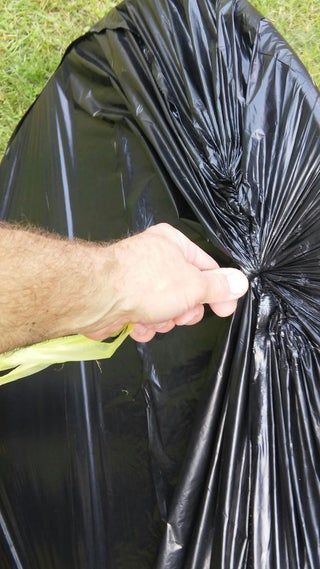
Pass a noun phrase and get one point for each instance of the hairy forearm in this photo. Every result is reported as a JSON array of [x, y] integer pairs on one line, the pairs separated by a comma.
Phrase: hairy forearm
[[51, 287], [46, 284]]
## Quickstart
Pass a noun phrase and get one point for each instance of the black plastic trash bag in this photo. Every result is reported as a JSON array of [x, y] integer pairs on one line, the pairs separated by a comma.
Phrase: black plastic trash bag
[[201, 449]]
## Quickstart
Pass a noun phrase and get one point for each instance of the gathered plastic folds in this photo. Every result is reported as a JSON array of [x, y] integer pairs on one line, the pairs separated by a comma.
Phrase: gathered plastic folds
[[200, 449]]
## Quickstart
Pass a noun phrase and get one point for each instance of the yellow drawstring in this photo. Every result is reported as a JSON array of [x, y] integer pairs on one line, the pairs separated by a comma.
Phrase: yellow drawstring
[[32, 359]]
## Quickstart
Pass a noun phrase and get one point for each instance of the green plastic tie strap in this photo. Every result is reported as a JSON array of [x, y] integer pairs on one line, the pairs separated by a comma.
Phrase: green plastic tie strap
[[32, 359]]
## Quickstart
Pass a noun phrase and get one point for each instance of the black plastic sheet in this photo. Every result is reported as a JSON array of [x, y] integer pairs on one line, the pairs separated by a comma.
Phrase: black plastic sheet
[[201, 449]]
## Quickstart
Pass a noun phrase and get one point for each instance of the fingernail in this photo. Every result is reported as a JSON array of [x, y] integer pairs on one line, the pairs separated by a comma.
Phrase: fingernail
[[237, 281]]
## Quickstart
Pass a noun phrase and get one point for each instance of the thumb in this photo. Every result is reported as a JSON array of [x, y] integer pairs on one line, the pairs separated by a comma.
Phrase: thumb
[[222, 285]]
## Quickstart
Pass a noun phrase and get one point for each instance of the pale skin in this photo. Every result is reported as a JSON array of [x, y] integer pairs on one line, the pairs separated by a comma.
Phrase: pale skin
[[156, 280]]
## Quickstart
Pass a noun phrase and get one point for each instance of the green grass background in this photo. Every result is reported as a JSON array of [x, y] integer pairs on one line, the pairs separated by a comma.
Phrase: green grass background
[[35, 33]]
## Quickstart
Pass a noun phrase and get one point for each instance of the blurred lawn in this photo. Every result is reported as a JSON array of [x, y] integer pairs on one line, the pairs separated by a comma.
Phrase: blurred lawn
[[35, 33]]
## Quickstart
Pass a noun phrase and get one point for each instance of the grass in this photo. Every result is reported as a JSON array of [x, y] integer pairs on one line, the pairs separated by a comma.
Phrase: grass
[[299, 22], [33, 38], [35, 33]]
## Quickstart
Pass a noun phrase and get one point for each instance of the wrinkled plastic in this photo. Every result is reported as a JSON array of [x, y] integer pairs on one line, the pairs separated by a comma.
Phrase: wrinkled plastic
[[32, 359], [201, 449]]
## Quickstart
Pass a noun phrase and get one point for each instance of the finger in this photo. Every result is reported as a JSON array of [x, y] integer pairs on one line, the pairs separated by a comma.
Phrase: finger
[[164, 327], [197, 318], [160, 327], [192, 316], [192, 253], [141, 329], [140, 335], [223, 285], [224, 309]]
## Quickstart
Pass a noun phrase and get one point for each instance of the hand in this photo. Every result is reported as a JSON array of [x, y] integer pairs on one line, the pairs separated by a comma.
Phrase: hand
[[159, 279]]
